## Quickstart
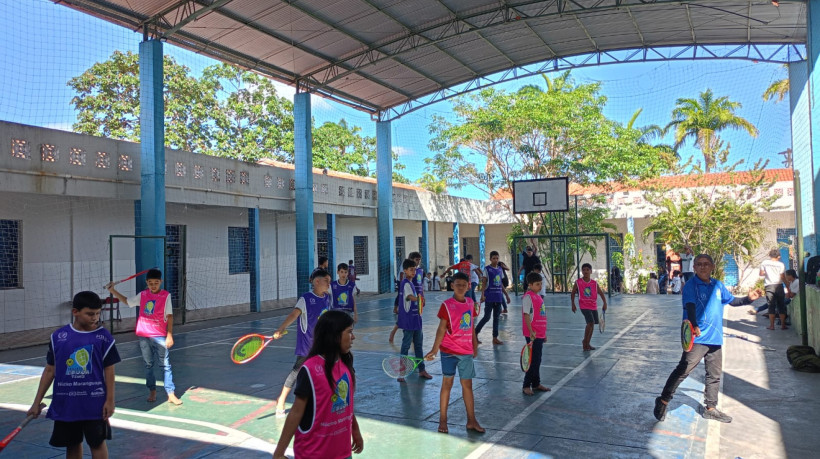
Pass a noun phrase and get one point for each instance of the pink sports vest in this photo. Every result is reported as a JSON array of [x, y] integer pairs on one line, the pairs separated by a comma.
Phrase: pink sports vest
[[539, 316], [152, 321], [458, 339], [331, 433], [587, 294]]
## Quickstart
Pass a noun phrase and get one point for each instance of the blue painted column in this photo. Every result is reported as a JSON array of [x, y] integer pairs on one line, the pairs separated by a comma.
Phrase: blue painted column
[[384, 185], [801, 146], [425, 247], [331, 244], [152, 156], [303, 177], [481, 244], [813, 45], [456, 244], [253, 262]]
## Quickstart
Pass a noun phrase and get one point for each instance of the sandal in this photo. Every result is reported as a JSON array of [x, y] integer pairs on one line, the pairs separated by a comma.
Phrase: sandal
[[527, 391], [542, 388]]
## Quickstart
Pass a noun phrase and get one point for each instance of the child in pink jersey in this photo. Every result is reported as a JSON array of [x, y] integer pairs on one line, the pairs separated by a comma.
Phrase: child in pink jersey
[[322, 418], [155, 325], [456, 338], [588, 292], [534, 327]]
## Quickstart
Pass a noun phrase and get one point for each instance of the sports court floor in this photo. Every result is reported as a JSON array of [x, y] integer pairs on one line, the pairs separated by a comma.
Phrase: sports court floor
[[600, 404]]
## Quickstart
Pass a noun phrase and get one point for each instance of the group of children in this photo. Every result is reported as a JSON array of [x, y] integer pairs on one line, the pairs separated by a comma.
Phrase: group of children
[[321, 420]]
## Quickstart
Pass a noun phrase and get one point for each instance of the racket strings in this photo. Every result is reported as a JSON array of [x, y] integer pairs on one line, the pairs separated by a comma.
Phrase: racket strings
[[398, 366], [247, 348]]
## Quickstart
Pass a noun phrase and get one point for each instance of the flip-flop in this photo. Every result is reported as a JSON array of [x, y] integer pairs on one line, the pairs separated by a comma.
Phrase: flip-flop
[[543, 389], [476, 429]]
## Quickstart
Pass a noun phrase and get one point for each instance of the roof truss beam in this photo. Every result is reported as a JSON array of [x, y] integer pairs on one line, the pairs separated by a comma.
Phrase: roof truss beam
[[776, 53]]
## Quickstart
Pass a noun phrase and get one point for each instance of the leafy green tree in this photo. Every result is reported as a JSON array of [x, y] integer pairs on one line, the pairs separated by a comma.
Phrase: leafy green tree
[[702, 119], [713, 219], [226, 112]]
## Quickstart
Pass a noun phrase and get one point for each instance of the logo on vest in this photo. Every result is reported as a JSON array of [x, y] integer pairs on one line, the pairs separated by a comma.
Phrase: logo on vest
[[98, 392], [588, 291], [465, 322], [78, 363], [342, 300], [543, 310], [62, 335], [149, 308], [341, 399], [497, 281]]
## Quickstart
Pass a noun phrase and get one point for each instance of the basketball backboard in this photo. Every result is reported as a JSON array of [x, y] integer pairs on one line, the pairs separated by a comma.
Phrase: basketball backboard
[[541, 195]]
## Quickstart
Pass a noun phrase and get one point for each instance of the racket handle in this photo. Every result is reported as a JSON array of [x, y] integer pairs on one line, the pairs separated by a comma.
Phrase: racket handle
[[5, 441]]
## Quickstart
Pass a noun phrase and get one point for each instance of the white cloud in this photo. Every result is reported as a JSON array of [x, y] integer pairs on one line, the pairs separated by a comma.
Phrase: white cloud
[[404, 151]]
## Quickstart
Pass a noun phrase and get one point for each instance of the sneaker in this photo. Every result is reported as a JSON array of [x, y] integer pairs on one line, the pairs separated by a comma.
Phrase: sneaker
[[717, 415], [660, 409]]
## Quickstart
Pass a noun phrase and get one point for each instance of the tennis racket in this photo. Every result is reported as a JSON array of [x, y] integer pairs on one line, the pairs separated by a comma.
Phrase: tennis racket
[[687, 338], [421, 304], [602, 322], [526, 357], [250, 346], [126, 279], [400, 366], [5, 442]]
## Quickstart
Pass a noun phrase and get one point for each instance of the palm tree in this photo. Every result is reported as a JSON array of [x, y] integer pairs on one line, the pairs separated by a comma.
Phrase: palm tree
[[779, 89], [701, 119]]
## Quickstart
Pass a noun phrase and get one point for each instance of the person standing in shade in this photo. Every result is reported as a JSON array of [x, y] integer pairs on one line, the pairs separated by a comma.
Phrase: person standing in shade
[[703, 298], [686, 259], [772, 271], [352, 275], [529, 262]]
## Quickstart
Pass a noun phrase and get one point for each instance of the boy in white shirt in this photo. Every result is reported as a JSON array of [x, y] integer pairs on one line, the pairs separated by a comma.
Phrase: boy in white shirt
[[772, 270]]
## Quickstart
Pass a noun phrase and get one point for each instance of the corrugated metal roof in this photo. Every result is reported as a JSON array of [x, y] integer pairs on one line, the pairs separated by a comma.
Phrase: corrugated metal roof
[[378, 54]]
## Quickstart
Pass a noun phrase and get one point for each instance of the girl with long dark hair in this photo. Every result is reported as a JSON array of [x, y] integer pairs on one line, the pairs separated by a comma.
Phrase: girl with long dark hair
[[322, 418]]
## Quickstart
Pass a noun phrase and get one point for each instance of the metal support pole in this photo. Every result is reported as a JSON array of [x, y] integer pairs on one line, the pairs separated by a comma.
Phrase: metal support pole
[[152, 152], [425, 247], [813, 48], [384, 185], [801, 272], [481, 245], [577, 242], [303, 178], [253, 261], [331, 244]]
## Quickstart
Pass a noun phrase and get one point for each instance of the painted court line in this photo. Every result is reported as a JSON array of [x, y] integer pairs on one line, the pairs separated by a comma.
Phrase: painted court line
[[514, 422]]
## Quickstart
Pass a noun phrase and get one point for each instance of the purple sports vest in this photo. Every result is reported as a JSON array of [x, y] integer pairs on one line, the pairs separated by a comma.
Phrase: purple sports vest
[[79, 378]]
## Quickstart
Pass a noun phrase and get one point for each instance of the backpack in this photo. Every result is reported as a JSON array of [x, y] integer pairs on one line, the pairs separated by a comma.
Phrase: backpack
[[803, 358]]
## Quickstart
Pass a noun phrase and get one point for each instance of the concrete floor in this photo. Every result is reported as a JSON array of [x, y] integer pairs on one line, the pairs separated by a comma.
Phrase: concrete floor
[[600, 404]]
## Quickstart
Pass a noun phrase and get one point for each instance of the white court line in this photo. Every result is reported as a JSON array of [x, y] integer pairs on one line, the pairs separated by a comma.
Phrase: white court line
[[229, 436], [514, 422]]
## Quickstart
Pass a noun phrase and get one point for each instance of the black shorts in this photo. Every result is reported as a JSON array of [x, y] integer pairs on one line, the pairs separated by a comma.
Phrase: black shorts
[[590, 315], [67, 434]]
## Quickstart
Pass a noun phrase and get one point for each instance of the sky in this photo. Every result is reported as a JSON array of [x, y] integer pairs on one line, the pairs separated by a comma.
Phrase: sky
[[45, 44]]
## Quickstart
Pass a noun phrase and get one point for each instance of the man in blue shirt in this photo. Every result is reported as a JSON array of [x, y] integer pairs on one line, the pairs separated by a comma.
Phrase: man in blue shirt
[[703, 300]]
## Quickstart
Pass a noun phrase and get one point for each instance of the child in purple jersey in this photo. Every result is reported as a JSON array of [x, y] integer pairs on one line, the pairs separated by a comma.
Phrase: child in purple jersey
[[352, 275], [493, 293], [342, 291], [417, 280], [81, 354], [410, 317], [308, 308]]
